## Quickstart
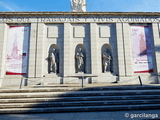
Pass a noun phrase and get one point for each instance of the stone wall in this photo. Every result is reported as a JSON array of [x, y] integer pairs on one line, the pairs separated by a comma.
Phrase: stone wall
[[91, 31]]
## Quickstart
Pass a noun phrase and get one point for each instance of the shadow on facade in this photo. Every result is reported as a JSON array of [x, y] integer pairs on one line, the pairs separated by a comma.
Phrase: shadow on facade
[[157, 48]]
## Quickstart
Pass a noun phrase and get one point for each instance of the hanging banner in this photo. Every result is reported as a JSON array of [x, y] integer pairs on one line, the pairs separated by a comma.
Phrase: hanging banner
[[17, 50], [141, 49]]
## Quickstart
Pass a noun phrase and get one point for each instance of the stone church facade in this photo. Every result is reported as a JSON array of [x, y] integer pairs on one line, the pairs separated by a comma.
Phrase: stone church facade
[[27, 39]]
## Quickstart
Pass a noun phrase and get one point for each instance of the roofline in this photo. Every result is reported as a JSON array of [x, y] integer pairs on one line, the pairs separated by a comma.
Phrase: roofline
[[36, 14]]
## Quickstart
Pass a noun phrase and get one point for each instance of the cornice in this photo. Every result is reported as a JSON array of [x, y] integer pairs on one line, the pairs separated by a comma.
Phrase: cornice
[[47, 14]]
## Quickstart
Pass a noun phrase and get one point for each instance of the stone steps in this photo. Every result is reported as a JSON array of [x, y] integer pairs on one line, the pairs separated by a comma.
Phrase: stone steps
[[92, 98], [79, 109], [78, 93], [77, 103], [67, 88], [39, 100]]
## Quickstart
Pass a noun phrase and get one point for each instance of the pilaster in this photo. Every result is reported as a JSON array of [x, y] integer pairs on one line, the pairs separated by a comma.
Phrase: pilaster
[[67, 49], [3, 41], [156, 44], [32, 50], [120, 50], [40, 50], [127, 50], [94, 48]]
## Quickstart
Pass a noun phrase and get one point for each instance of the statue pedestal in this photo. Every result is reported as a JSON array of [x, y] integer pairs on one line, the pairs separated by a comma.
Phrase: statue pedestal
[[107, 77], [51, 79], [82, 77]]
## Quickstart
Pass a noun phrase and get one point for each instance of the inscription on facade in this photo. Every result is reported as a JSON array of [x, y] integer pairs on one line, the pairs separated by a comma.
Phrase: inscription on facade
[[79, 19], [18, 19]]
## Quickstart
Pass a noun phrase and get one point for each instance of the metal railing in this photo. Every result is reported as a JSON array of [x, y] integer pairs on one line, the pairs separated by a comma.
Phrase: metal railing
[[140, 80], [133, 79]]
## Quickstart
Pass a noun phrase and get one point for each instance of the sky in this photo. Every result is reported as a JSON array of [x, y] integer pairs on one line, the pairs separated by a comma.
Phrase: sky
[[93, 5]]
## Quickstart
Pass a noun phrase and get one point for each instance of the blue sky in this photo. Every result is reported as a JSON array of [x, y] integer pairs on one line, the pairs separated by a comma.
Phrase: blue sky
[[93, 5]]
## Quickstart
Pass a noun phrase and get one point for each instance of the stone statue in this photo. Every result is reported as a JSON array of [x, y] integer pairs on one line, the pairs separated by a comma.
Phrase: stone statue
[[80, 60], [54, 61], [78, 5], [106, 60]]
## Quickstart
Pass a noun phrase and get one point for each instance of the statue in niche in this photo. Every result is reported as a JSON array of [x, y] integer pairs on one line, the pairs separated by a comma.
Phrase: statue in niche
[[106, 61], [78, 5], [54, 61], [80, 62]]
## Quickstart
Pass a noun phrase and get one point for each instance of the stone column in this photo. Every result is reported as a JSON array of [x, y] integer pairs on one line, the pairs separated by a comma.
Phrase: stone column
[[40, 50], [32, 50], [3, 41], [127, 50], [94, 53], [120, 50], [66, 49], [156, 44]]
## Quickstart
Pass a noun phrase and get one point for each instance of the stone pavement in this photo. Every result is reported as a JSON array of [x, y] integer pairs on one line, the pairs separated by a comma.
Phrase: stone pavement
[[115, 115]]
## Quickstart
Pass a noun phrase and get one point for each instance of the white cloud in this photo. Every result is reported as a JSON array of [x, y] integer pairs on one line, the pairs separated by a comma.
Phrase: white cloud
[[2, 4], [8, 6]]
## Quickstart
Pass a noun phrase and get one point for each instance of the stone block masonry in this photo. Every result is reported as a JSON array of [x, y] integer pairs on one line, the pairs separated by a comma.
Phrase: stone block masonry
[[93, 32]]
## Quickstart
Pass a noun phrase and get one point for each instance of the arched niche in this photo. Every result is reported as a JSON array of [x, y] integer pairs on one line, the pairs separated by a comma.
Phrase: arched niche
[[80, 59], [50, 64], [106, 58]]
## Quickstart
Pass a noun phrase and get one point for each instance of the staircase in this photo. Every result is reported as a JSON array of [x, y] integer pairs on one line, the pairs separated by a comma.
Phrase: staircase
[[66, 99]]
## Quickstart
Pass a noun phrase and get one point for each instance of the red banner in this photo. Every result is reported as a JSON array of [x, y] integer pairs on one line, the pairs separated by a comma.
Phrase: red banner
[[17, 50], [141, 49]]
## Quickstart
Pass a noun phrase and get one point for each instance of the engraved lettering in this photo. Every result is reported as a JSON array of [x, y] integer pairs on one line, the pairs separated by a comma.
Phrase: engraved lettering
[[95, 19], [42, 19]]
